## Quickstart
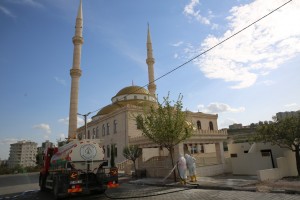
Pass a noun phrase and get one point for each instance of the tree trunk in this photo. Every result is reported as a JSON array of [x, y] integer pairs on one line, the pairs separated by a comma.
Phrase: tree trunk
[[297, 148], [134, 168], [171, 154]]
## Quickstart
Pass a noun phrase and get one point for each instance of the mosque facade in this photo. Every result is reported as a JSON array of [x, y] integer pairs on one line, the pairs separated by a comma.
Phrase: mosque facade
[[114, 126]]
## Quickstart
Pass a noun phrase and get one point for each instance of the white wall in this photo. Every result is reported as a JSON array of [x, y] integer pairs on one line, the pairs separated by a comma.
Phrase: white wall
[[149, 153], [248, 164], [286, 167], [291, 162], [228, 166], [210, 170], [238, 148], [209, 148]]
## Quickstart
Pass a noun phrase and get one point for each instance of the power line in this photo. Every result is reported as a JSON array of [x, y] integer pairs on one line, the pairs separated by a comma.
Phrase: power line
[[209, 49]]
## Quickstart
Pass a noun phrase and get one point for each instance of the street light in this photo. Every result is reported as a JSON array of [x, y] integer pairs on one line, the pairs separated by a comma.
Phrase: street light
[[85, 124]]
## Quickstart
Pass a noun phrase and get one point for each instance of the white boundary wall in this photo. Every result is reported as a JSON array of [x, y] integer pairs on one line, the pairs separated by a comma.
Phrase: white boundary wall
[[248, 164], [286, 167], [210, 170]]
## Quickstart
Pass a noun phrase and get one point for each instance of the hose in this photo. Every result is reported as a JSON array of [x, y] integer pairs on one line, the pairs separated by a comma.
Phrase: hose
[[144, 196]]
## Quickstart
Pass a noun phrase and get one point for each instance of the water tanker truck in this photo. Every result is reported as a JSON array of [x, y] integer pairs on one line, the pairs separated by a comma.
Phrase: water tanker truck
[[77, 167]]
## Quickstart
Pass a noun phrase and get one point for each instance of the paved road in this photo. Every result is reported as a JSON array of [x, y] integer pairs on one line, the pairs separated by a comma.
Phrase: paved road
[[138, 192], [131, 191], [18, 179], [11, 184]]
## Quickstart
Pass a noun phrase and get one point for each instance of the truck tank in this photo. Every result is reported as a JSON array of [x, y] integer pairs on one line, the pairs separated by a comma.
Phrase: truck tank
[[82, 155]]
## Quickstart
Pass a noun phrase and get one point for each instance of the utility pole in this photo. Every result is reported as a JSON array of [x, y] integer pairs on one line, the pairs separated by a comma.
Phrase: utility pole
[[85, 124]]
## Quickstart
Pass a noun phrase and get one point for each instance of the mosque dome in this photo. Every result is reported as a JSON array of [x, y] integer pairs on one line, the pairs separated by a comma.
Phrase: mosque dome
[[131, 95], [132, 90], [108, 109]]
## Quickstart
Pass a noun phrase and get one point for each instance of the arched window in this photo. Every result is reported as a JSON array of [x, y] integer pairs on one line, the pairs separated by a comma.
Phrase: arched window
[[94, 133], [211, 126], [107, 128], [103, 130], [135, 97], [97, 132], [199, 125], [115, 126]]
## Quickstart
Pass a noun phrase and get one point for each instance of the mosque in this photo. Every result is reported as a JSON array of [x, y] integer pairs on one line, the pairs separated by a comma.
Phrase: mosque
[[114, 126]]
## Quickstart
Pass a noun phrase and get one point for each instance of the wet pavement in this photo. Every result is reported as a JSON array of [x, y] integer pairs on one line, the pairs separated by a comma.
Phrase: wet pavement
[[227, 182], [223, 181]]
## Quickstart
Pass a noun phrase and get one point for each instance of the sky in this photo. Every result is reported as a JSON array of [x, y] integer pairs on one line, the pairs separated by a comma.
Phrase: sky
[[246, 79]]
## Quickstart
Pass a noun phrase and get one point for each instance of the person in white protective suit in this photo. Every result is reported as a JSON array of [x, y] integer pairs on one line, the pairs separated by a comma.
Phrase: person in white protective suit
[[191, 165], [182, 169]]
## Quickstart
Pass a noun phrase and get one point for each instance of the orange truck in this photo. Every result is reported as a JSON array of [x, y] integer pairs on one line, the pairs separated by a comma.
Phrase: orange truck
[[76, 168]]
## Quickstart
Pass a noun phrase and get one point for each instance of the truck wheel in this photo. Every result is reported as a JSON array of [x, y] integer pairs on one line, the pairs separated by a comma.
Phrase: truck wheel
[[42, 182], [101, 191], [55, 190]]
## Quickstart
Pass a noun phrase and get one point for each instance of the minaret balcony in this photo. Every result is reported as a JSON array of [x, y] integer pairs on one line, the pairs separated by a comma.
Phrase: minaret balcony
[[77, 40], [150, 60], [75, 72]]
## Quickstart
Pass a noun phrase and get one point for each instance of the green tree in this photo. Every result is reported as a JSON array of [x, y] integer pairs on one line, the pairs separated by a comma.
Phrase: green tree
[[39, 159], [284, 133], [165, 125], [4, 169], [132, 152]]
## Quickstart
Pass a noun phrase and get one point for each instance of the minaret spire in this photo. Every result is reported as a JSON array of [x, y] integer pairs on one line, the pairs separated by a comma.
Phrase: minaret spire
[[150, 62], [79, 13], [75, 74]]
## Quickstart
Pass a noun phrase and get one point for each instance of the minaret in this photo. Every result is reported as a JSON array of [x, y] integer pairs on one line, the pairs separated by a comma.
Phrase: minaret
[[75, 73], [150, 62]]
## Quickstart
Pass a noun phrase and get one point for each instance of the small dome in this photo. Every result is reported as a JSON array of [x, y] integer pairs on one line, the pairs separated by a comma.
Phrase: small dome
[[135, 102], [132, 90], [131, 95], [108, 109]]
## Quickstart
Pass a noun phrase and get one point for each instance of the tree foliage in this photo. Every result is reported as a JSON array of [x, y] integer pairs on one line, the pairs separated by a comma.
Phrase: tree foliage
[[284, 133], [132, 152], [165, 124], [17, 169]]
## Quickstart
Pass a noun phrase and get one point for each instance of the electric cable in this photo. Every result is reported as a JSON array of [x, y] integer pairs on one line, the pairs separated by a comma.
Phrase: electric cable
[[207, 50]]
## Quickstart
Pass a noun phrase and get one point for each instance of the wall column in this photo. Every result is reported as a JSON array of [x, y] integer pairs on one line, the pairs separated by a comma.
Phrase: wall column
[[220, 152]]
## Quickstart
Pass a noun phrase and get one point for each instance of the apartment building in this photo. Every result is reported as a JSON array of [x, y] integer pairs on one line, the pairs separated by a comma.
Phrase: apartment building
[[22, 153]]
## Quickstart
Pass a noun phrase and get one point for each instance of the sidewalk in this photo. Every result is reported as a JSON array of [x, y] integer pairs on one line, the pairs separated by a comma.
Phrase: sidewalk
[[229, 182]]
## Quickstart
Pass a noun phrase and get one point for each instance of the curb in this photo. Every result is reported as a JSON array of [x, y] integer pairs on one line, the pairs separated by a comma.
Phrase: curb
[[211, 187], [292, 192]]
